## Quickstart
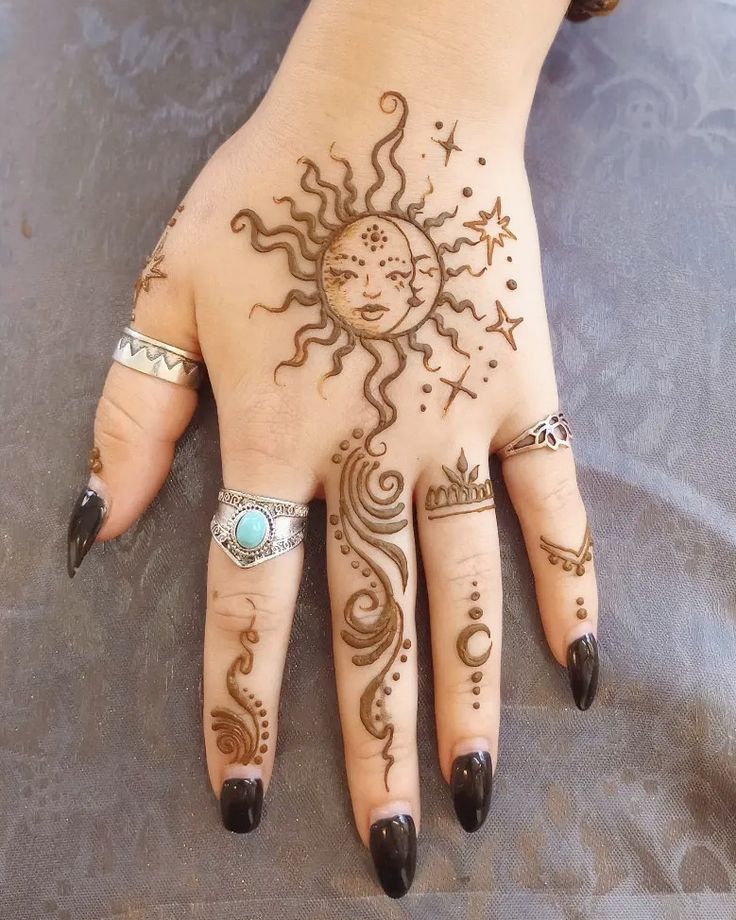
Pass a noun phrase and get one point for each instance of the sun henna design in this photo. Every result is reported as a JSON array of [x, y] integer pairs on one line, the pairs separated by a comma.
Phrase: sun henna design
[[371, 510], [571, 559], [242, 734], [463, 495], [376, 276]]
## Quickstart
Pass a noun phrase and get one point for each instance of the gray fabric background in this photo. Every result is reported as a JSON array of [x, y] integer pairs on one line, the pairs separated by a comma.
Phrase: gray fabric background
[[109, 108]]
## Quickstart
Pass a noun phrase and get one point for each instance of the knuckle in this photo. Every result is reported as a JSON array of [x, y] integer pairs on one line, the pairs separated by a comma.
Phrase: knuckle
[[365, 753], [113, 422], [242, 611], [556, 494]]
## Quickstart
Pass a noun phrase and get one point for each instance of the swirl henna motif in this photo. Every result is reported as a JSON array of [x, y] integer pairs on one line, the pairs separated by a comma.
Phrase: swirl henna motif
[[370, 510], [241, 735]]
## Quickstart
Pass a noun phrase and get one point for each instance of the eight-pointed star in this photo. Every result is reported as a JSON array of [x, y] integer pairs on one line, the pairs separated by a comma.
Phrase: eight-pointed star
[[499, 227]]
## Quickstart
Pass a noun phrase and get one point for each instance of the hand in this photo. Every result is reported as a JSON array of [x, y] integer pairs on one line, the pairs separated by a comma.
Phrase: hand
[[359, 268]]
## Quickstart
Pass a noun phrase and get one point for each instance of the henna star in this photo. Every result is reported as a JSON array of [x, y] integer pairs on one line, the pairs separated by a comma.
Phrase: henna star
[[505, 325], [492, 227]]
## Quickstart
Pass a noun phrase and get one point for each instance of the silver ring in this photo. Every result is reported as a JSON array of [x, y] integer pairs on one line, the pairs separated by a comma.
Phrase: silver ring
[[553, 432], [149, 356], [254, 528]]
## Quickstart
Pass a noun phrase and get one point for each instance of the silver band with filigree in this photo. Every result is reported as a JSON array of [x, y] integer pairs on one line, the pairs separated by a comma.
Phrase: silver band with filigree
[[253, 528], [149, 356], [552, 432]]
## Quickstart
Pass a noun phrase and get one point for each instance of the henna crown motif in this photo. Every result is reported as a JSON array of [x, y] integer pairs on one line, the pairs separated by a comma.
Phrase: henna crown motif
[[463, 489]]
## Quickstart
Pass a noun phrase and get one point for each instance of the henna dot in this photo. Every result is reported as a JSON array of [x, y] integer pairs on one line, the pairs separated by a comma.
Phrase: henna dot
[[336, 458], [580, 601], [485, 380], [467, 191], [493, 363], [475, 584], [382, 262], [263, 748], [377, 717], [475, 596], [262, 712], [265, 725], [422, 408], [427, 388], [357, 432], [476, 691], [387, 691], [477, 677], [379, 702], [259, 703], [476, 705], [374, 584], [406, 643], [353, 258], [511, 284], [355, 563], [395, 675], [258, 759], [334, 519], [403, 659], [366, 572], [482, 161], [509, 259], [344, 445], [344, 550], [582, 613], [475, 613], [480, 348], [424, 155], [338, 535], [439, 125]]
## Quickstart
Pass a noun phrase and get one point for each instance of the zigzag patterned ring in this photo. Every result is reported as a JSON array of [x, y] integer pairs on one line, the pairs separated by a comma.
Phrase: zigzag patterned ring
[[157, 359]]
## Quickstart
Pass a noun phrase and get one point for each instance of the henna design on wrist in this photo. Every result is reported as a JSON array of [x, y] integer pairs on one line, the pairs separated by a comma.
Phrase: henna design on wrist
[[370, 510], [463, 493], [571, 559], [242, 734], [493, 228], [377, 277], [457, 386]]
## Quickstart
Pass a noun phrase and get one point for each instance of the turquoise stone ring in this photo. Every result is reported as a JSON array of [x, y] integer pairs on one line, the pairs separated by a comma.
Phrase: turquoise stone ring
[[251, 529]]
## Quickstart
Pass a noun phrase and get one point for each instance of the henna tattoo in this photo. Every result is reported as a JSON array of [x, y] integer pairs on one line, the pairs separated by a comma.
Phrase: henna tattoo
[[95, 460], [511, 284], [370, 509], [242, 734], [153, 270], [467, 191], [463, 490], [493, 228], [462, 645], [505, 325], [448, 145], [581, 613], [456, 386], [466, 634], [377, 278], [571, 559]]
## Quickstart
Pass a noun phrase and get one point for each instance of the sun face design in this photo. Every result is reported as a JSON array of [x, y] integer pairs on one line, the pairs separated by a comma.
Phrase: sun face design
[[377, 278]]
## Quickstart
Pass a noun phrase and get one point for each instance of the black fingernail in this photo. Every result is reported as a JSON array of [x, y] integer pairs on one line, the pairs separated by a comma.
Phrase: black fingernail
[[472, 782], [582, 666], [241, 801], [84, 525], [394, 852]]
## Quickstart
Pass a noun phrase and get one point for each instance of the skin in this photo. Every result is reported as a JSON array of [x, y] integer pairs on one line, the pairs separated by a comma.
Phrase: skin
[[340, 62]]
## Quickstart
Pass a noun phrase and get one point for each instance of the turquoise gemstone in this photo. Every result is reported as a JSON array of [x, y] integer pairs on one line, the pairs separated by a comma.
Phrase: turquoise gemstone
[[251, 529]]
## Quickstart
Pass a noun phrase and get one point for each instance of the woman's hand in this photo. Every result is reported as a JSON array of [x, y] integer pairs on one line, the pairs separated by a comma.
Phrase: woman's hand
[[359, 268]]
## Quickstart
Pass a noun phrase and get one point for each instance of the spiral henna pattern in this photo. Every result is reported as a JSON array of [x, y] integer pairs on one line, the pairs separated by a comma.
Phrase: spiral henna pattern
[[241, 735], [370, 510]]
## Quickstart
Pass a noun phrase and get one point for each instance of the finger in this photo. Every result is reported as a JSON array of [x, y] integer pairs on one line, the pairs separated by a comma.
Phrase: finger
[[543, 488], [139, 417], [459, 542], [372, 576], [249, 616]]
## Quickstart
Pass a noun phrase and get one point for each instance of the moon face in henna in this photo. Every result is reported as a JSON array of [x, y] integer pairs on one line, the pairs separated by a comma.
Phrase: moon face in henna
[[369, 276]]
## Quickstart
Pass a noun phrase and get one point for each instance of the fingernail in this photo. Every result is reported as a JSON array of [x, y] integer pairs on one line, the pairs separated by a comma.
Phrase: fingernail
[[241, 801], [472, 783], [84, 525], [394, 852], [582, 667]]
